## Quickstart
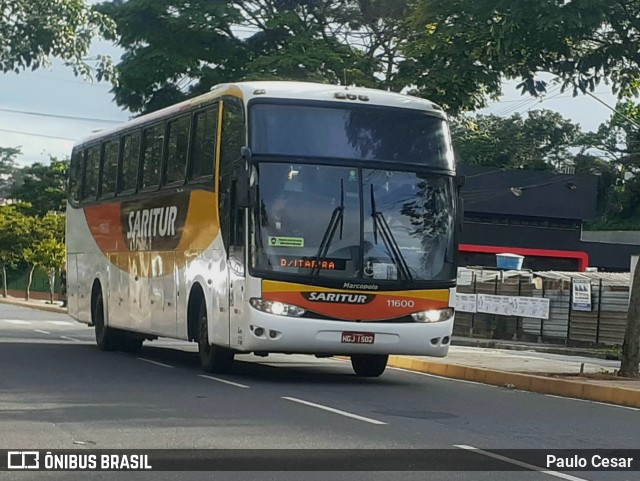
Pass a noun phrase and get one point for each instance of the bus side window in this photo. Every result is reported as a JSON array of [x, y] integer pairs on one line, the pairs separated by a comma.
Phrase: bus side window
[[128, 169], [233, 132], [75, 175], [152, 143], [177, 150], [110, 156], [92, 164], [232, 138], [203, 160]]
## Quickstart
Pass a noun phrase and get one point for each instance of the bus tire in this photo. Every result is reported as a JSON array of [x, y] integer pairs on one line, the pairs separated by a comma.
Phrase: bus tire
[[107, 339], [369, 365], [212, 358]]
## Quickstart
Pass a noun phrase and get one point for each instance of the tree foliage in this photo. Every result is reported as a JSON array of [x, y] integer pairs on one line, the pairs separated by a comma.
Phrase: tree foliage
[[541, 141], [478, 43], [46, 248], [176, 49], [616, 146], [47, 254], [43, 186], [34, 31], [15, 231], [7, 165]]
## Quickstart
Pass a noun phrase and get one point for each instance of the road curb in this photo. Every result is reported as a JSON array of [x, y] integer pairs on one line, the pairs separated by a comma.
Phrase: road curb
[[33, 305], [524, 382]]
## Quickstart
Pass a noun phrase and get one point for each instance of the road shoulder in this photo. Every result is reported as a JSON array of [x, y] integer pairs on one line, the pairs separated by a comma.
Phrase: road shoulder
[[588, 389]]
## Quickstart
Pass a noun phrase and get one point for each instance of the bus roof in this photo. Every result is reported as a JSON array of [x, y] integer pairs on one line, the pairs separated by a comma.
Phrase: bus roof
[[280, 90]]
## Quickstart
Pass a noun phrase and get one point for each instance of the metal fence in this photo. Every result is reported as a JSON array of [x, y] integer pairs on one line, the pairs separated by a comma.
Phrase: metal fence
[[603, 324]]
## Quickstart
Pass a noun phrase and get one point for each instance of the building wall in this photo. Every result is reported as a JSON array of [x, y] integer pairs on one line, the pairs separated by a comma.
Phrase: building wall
[[540, 233]]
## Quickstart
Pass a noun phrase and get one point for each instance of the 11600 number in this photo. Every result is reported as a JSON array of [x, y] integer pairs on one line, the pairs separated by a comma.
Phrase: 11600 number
[[400, 303]]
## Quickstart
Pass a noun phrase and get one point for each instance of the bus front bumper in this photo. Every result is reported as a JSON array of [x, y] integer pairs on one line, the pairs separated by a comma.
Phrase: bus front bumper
[[268, 333]]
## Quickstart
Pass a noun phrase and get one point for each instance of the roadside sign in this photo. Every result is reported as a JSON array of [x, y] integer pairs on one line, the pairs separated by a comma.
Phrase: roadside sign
[[581, 292]]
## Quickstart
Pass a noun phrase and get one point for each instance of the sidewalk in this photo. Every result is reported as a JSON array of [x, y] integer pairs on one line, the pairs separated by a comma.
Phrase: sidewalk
[[541, 368], [531, 346], [34, 304]]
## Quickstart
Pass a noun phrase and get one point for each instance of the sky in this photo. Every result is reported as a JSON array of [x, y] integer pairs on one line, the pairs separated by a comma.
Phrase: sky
[[32, 105]]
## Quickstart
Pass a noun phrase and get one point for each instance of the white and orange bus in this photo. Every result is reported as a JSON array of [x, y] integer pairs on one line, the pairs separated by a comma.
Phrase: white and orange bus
[[269, 217]]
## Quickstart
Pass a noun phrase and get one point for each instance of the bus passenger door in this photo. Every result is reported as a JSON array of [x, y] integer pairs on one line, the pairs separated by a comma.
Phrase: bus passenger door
[[163, 293]]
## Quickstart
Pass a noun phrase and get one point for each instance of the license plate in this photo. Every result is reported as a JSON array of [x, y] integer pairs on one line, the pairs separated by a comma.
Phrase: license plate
[[358, 337]]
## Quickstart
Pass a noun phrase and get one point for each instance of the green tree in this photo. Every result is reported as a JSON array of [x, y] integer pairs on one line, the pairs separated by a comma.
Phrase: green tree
[[478, 43], [7, 166], [49, 255], [46, 247], [616, 144], [176, 49], [34, 31], [541, 141], [43, 186], [15, 231]]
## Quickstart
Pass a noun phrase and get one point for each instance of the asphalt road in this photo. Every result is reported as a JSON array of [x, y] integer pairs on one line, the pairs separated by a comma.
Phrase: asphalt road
[[57, 391]]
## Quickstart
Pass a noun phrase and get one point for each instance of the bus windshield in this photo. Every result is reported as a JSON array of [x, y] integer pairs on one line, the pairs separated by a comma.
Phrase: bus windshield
[[352, 223], [363, 132]]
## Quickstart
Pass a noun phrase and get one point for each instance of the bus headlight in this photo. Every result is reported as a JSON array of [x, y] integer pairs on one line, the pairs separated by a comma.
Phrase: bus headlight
[[276, 307], [433, 315]]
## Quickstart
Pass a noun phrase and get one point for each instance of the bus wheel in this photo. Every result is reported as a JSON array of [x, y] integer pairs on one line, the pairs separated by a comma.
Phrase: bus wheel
[[369, 365], [212, 358], [107, 339]]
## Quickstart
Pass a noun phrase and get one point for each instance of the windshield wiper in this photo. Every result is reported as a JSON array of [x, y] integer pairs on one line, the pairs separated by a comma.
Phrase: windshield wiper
[[380, 224], [337, 219]]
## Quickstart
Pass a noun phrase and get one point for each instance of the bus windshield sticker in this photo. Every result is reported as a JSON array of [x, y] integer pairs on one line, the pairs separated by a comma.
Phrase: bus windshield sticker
[[286, 241]]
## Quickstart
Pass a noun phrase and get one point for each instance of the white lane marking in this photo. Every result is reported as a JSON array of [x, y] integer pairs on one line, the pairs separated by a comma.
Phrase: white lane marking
[[224, 381], [154, 362], [61, 323], [334, 410], [519, 463], [17, 321], [41, 331], [71, 339]]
